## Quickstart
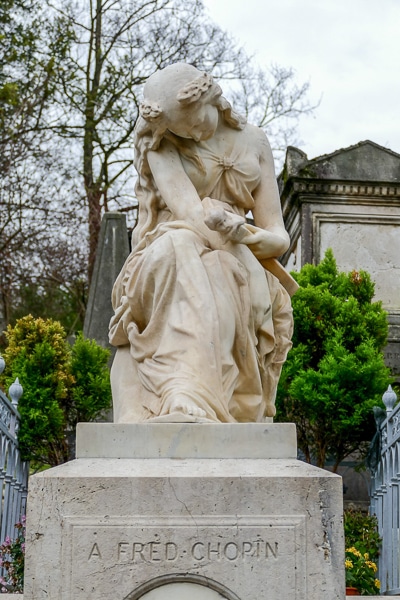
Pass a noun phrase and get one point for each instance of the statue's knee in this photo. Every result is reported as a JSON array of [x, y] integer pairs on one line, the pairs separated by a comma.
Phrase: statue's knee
[[171, 241], [160, 249], [182, 237]]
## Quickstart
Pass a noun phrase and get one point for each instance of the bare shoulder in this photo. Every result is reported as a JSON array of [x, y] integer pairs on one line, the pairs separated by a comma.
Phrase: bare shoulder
[[258, 138]]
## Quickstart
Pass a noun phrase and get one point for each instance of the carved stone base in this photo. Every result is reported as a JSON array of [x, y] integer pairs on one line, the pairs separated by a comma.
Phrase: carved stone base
[[167, 527]]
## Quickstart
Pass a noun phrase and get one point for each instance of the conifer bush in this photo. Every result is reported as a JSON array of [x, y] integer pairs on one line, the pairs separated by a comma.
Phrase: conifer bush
[[335, 372], [62, 386]]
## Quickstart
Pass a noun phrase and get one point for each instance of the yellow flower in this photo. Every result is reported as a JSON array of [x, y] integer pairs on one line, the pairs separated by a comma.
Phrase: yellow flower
[[348, 564], [371, 565], [366, 556], [354, 551], [377, 584]]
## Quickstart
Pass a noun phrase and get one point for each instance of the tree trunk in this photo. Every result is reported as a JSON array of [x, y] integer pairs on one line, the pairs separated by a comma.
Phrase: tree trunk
[[93, 199], [93, 188]]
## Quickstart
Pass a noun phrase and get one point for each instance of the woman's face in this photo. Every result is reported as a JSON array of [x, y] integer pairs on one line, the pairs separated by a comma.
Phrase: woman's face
[[197, 121]]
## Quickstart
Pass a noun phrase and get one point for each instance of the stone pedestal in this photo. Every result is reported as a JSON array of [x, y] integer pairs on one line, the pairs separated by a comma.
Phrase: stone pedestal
[[171, 511]]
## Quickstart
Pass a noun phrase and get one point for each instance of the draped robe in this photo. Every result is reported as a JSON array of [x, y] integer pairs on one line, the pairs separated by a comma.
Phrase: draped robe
[[209, 325]]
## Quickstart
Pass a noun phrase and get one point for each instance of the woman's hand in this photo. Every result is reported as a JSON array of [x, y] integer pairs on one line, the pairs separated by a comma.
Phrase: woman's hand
[[229, 225], [264, 243], [233, 228]]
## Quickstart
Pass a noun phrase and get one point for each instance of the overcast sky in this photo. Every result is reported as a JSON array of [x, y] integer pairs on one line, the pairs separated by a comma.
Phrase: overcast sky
[[349, 51]]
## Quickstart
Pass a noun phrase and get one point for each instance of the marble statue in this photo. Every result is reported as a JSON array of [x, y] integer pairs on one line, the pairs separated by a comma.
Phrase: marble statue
[[201, 325]]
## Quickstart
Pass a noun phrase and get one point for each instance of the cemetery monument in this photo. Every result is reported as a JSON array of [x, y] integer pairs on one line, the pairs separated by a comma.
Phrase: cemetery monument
[[193, 490]]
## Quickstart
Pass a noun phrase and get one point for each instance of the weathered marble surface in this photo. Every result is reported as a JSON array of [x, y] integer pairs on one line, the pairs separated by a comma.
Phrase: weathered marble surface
[[201, 328], [184, 440], [113, 248], [101, 528]]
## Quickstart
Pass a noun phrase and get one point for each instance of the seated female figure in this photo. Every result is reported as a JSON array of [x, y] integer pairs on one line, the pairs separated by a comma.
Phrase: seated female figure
[[201, 328]]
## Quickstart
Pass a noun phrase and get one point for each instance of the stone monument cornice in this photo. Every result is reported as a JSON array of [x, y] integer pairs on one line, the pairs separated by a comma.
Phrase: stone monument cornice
[[299, 190]]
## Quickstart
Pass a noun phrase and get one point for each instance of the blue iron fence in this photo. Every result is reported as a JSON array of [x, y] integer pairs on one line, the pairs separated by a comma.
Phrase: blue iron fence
[[13, 471], [385, 493]]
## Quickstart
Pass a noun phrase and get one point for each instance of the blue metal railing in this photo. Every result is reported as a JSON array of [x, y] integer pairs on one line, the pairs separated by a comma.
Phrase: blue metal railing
[[14, 472], [385, 495]]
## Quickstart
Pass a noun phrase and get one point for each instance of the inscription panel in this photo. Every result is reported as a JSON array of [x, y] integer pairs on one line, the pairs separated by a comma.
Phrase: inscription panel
[[269, 552]]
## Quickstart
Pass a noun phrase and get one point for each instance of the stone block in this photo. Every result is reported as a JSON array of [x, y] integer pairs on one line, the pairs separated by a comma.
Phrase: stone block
[[184, 440], [166, 526]]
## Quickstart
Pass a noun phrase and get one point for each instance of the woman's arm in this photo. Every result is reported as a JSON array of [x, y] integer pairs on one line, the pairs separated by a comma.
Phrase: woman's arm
[[178, 192], [269, 238]]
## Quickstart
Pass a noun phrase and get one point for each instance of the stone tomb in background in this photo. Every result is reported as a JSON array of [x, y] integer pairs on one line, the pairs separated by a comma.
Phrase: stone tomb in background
[[349, 201], [151, 511]]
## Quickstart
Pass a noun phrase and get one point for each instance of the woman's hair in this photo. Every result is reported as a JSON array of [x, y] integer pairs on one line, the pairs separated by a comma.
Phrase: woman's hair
[[152, 127]]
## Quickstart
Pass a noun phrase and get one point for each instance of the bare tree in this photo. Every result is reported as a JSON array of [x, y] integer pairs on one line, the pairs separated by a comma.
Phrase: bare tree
[[71, 77], [113, 47], [274, 101], [36, 189], [40, 234]]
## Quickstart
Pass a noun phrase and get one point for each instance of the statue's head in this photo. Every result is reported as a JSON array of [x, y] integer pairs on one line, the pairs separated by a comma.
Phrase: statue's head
[[182, 100]]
